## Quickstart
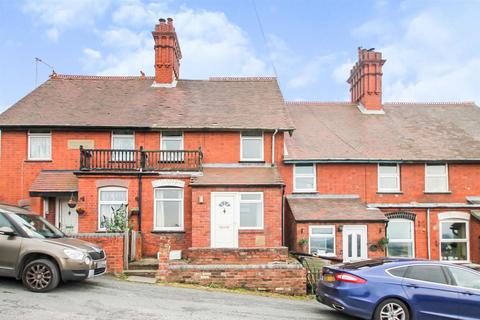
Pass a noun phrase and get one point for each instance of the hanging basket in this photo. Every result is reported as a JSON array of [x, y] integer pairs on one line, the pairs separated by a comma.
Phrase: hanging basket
[[80, 210]]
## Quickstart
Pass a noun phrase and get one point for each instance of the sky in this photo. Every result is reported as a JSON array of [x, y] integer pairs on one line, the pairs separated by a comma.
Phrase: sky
[[432, 48]]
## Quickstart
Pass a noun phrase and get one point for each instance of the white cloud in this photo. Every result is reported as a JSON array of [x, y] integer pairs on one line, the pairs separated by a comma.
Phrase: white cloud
[[61, 15], [210, 43], [342, 72], [311, 71]]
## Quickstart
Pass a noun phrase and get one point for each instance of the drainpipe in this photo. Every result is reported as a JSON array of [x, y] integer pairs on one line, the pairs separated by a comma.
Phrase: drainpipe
[[273, 146], [283, 215], [428, 233], [139, 202]]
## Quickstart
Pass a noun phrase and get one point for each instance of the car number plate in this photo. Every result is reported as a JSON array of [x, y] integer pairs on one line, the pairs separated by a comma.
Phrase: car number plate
[[101, 264], [328, 278]]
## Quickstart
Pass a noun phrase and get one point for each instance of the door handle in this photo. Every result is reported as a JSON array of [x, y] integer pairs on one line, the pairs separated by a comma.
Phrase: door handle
[[411, 285], [467, 293]]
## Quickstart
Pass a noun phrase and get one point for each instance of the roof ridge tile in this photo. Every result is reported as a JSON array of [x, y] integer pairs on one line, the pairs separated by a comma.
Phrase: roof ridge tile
[[439, 103], [242, 78], [90, 77], [322, 103]]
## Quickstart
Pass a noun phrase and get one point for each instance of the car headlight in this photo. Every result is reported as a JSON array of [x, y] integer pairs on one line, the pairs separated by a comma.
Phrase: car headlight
[[74, 254]]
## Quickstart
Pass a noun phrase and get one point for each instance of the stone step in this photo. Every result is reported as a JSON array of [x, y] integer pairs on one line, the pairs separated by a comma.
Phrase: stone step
[[149, 273], [144, 264], [141, 279]]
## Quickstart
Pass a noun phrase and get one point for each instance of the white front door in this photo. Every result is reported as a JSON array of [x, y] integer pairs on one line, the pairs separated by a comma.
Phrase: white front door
[[224, 226], [354, 243], [67, 218]]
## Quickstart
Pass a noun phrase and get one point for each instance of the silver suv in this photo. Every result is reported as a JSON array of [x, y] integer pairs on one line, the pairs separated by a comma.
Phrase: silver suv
[[33, 250]]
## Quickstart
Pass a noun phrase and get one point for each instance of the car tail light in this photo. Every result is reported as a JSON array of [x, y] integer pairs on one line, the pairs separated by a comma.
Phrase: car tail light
[[350, 278]]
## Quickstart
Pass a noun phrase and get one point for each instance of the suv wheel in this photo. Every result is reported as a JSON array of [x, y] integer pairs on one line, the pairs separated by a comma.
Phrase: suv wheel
[[40, 275], [392, 309]]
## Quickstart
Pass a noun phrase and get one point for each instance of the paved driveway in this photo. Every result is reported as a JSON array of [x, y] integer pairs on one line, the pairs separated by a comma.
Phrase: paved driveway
[[107, 298]]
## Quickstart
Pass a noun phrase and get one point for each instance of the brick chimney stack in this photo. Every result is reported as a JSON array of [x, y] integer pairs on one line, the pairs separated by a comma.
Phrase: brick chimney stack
[[366, 80], [167, 54]]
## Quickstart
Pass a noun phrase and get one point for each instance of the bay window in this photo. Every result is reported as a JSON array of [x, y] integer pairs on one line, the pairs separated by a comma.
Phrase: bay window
[[322, 240], [110, 199], [400, 238], [251, 210], [168, 209]]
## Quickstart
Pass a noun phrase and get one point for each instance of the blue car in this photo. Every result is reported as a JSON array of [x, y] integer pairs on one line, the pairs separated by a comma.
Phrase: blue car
[[401, 289]]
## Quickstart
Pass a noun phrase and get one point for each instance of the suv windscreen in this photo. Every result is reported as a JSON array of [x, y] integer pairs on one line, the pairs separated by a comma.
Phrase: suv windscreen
[[427, 273], [36, 226]]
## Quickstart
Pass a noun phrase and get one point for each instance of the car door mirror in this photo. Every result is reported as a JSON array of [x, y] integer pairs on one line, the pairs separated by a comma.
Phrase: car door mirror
[[7, 231]]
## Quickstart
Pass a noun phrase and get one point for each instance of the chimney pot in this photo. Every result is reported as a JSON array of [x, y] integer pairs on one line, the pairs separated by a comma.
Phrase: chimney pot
[[161, 20], [170, 20]]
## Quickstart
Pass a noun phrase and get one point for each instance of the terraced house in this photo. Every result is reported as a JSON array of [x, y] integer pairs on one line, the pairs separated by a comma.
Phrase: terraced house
[[225, 163]]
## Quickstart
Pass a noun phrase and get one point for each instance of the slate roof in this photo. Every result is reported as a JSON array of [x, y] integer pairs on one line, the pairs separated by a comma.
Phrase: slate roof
[[106, 102], [239, 176], [54, 182], [407, 131], [309, 209]]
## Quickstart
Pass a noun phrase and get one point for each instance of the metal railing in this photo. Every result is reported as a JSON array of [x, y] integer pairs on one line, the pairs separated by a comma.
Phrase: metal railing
[[140, 160]]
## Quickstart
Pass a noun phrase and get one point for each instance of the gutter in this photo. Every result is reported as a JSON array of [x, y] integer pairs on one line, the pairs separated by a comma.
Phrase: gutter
[[423, 205], [293, 161]]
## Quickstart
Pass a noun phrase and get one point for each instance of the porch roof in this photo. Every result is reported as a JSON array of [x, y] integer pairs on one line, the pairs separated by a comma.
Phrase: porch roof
[[53, 182], [312, 209], [239, 176]]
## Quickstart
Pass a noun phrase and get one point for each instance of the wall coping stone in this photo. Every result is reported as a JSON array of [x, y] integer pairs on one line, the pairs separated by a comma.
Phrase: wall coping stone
[[233, 266], [98, 235]]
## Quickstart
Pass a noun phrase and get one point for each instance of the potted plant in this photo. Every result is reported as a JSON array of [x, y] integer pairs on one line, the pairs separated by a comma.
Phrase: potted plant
[[80, 210], [303, 243], [382, 243]]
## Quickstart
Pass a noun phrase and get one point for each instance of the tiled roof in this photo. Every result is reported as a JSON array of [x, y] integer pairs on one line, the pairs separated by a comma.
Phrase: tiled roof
[[407, 131], [54, 182], [239, 176], [103, 101], [332, 209]]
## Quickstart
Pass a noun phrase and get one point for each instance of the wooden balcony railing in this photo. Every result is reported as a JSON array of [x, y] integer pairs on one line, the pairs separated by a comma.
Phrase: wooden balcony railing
[[140, 160]]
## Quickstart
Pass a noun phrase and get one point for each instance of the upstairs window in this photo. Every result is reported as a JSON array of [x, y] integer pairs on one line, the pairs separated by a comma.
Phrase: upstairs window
[[388, 177], [436, 178], [123, 140], [39, 145], [171, 141], [251, 210], [251, 146], [304, 179]]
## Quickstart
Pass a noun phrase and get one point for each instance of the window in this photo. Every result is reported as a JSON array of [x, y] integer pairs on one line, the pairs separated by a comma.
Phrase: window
[[400, 238], [436, 178], [388, 177], [251, 146], [45, 207], [304, 178], [398, 272], [39, 145], [123, 140], [168, 209], [454, 240], [465, 278], [110, 200], [171, 140], [429, 273], [251, 210], [322, 240], [4, 222]]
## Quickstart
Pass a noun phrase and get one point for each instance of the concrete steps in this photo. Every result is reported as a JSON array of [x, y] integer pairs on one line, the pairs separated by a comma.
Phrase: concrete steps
[[142, 268]]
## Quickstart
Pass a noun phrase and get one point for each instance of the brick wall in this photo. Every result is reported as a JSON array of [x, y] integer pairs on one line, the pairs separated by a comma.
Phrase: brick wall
[[270, 236], [236, 256], [113, 244]]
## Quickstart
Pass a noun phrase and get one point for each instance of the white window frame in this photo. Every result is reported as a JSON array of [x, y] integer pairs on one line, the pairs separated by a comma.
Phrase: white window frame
[[446, 176], [411, 240], [397, 176], [182, 213], [40, 135], [122, 135], [240, 201], [332, 227], [45, 207], [100, 202], [303, 175], [171, 138], [466, 240], [242, 158]]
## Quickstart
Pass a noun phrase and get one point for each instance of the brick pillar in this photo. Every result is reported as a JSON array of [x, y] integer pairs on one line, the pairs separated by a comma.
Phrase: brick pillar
[[163, 261]]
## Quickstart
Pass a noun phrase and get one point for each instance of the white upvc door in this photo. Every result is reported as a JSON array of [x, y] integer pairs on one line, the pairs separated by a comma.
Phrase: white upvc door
[[224, 226], [67, 218], [354, 243]]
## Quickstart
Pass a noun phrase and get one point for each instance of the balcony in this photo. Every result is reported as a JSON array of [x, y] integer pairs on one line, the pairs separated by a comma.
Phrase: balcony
[[140, 160]]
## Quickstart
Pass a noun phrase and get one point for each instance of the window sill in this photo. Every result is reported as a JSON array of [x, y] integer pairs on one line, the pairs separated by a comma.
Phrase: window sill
[[389, 192], [251, 161], [438, 192], [167, 231], [305, 192], [252, 230], [38, 160]]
